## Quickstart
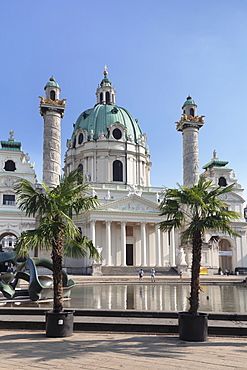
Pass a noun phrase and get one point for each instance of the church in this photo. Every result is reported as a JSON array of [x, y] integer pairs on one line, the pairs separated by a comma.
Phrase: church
[[109, 148]]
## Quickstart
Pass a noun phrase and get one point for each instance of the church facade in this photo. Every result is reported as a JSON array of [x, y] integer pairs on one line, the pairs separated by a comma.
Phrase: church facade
[[109, 148]]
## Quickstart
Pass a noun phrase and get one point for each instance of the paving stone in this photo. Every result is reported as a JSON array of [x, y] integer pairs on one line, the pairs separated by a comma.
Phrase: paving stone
[[23, 349]]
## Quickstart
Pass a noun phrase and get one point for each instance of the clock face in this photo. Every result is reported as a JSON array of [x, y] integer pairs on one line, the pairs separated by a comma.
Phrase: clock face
[[9, 182]]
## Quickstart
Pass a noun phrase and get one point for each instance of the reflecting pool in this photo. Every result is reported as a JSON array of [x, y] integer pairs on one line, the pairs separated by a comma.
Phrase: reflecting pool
[[165, 297]]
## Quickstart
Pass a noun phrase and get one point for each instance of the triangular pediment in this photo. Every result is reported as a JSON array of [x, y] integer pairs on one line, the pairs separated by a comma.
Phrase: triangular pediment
[[133, 203]]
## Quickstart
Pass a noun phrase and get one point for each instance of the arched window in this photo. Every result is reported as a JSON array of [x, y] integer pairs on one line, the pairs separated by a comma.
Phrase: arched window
[[9, 166], [192, 112], [80, 171], [101, 97], [117, 171], [222, 181], [107, 97], [80, 138], [52, 95]]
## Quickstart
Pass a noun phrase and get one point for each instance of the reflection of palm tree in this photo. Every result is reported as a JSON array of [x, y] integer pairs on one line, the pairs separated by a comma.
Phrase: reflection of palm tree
[[57, 231], [196, 210]]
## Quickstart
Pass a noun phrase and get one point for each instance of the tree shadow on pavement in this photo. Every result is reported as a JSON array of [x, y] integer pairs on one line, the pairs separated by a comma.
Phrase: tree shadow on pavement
[[21, 345]]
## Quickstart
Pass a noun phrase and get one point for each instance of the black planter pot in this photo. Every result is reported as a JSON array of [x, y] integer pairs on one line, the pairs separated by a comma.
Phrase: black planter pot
[[193, 328], [59, 324]]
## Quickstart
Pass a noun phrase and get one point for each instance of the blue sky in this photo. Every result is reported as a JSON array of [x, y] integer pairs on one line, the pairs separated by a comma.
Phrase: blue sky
[[157, 52]]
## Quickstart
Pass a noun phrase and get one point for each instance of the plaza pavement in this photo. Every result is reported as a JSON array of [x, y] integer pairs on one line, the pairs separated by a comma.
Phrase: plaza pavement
[[21, 349], [27, 349]]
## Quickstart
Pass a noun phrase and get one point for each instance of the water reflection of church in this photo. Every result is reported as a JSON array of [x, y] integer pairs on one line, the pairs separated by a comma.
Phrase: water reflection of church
[[159, 297], [109, 147]]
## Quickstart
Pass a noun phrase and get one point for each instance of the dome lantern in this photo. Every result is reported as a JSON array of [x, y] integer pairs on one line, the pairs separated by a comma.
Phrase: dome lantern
[[52, 89], [105, 92], [189, 107]]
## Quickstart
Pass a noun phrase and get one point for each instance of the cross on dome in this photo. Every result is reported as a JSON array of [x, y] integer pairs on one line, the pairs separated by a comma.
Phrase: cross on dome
[[105, 70]]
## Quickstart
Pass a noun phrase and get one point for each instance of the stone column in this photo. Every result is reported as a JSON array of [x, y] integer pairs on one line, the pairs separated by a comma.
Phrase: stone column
[[144, 244], [92, 167], [108, 244], [52, 110], [92, 231], [172, 249], [123, 243], [158, 247], [52, 149], [190, 156]]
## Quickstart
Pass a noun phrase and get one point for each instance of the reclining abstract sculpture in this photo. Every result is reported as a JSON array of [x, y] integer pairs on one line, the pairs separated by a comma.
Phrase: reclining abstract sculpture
[[39, 287]]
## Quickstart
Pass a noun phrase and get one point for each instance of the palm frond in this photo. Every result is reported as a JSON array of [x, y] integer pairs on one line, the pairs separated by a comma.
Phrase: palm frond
[[200, 208]]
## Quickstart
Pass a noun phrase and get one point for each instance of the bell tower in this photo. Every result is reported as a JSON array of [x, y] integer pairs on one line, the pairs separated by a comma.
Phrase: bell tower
[[52, 110], [190, 125]]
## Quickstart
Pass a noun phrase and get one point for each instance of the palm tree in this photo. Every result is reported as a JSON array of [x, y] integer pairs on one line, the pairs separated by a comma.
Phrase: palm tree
[[195, 210], [57, 231]]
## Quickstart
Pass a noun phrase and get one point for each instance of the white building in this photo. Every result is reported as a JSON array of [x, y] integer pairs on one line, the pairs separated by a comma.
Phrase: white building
[[229, 252], [108, 146], [14, 165]]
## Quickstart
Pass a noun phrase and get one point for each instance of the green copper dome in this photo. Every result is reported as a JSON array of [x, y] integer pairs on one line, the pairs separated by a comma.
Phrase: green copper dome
[[52, 82], [105, 82], [189, 101], [103, 115]]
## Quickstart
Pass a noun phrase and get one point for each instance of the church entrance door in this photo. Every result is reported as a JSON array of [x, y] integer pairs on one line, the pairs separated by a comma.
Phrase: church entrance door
[[129, 254], [225, 255]]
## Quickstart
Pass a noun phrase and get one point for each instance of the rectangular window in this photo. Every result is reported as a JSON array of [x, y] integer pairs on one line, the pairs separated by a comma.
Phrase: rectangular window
[[9, 199]]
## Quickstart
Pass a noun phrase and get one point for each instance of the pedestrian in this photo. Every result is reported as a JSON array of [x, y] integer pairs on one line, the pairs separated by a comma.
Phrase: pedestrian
[[141, 273], [153, 275]]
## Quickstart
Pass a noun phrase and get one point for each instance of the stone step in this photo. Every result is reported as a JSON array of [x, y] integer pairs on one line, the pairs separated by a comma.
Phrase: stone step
[[133, 270]]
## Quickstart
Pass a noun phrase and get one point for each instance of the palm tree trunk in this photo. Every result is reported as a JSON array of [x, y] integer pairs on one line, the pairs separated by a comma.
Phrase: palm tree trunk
[[57, 247], [195, 273]]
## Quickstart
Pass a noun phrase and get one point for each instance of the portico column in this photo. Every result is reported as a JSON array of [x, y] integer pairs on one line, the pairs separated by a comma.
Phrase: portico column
[[158, 249], [92, 231], [108, 243], [144, 244], [172, 249], [123, 244]]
